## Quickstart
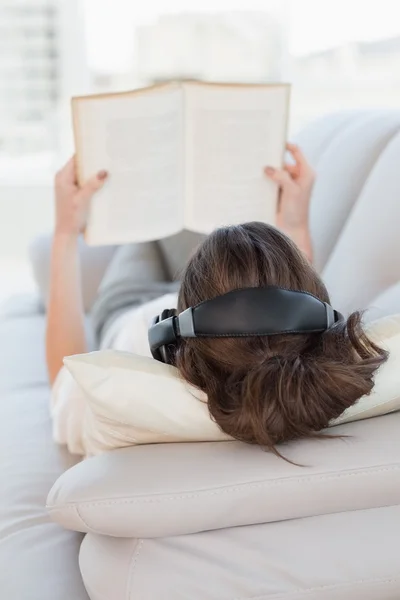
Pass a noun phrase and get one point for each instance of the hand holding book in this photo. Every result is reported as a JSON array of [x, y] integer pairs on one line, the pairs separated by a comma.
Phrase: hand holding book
[[295, 182], [72, 200]]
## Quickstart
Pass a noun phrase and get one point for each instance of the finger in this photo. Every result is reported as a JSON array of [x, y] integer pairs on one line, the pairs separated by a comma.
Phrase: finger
[[280, 176], [297, 154], [293, 170], [93, 185]]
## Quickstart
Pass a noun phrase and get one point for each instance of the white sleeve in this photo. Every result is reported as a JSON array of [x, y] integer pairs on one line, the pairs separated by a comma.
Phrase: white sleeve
[[129, 332]]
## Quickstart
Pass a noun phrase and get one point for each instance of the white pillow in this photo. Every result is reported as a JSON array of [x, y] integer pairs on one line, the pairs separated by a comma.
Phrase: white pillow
[[115, 399], [124, 399], [385, 397]]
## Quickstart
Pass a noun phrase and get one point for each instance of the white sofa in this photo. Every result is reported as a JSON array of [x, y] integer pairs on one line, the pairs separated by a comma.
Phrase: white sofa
[[219, 521]]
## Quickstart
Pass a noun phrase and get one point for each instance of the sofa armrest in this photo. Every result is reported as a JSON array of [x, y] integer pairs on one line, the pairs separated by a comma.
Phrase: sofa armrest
[[94, 262], [161, 490]]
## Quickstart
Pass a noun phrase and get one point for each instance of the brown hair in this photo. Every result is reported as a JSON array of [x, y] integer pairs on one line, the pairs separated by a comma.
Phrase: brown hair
[[271, 389]]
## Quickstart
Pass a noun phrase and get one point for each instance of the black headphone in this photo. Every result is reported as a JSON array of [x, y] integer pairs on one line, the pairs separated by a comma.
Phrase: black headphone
[[242, 313]]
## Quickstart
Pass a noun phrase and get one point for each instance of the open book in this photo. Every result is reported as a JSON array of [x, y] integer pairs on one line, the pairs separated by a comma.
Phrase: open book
[[180, 156]]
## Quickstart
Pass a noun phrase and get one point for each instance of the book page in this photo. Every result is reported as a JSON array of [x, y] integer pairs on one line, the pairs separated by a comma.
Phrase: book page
[[231, 134], [138, 138]]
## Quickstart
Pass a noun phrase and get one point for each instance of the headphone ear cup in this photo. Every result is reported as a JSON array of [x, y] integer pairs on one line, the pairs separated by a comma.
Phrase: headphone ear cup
[[164, 354], [155, 320], [167, 313], [168, 352]]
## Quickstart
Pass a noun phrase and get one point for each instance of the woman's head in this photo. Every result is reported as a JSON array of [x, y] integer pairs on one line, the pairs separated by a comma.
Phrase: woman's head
[[270, 389]]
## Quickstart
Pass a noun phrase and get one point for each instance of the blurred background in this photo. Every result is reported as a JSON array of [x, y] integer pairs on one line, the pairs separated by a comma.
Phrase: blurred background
[[337, 55]]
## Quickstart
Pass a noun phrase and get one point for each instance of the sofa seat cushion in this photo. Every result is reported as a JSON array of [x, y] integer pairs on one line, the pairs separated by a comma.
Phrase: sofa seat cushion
[[38, 559], [344, 556], [22, 364]]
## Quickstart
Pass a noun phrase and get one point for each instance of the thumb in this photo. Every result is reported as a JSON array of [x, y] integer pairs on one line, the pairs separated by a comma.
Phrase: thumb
[[92, 186], [280, 176]]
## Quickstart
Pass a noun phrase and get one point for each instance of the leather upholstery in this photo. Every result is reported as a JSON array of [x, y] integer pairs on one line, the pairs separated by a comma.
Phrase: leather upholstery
[[38, 560], [342, 556], [175, 489]]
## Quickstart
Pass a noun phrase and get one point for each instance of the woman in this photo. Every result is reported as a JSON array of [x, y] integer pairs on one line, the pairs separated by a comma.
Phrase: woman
[[262, 390]]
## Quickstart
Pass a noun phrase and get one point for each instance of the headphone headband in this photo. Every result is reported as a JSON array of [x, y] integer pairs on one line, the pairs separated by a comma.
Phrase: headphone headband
[[244, 313]]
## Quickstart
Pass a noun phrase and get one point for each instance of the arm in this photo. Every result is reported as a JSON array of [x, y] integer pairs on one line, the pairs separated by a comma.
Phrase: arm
[[65, 333], [295, 182]]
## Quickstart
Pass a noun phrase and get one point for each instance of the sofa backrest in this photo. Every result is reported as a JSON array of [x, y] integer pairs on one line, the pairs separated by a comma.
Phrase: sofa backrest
[[355, 208]]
